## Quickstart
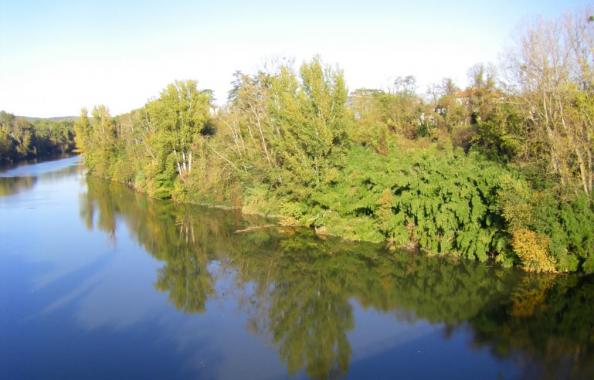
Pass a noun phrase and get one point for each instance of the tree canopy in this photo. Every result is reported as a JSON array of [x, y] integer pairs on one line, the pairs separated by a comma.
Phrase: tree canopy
[[500, 170]]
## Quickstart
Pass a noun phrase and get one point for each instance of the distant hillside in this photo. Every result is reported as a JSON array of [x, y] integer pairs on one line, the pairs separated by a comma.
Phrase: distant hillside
[[56, 118], [26, 138]]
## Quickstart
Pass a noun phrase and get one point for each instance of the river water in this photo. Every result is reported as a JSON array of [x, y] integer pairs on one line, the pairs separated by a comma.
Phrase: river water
[[97, 281]]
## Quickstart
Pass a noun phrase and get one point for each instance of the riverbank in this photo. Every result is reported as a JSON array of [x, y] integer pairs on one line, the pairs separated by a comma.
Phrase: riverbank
[[158, 286], [27, 139], [367, 166], [438, 201]]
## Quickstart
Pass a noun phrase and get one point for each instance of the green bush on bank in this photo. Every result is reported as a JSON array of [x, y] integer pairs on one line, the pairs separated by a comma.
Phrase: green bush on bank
[[447, 202], [442, 201]]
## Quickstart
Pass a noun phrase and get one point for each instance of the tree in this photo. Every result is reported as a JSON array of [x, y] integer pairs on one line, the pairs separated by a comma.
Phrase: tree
[[22, 138], [552, 68], [177, 118]]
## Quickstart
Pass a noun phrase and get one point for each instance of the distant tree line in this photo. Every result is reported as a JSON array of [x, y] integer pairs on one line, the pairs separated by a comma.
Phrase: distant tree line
[[501, 170], [24, 139]]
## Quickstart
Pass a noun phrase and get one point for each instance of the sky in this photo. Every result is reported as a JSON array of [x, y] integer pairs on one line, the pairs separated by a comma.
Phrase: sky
[[59, 56]]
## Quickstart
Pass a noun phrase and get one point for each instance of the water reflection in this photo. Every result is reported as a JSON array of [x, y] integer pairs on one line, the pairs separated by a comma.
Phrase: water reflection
[[550, 321], [299, 290], [22, 178], [14, 185]]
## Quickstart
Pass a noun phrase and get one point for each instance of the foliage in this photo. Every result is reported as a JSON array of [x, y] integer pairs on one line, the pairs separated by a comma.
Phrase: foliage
[[499, 136], [379, 166], [21, 139], [442, 201], [548, 221], [287, 130], [552, 69], [150, 148], [532, 249]]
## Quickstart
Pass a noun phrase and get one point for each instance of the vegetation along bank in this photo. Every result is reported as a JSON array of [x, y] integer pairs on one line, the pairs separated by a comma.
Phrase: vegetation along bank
[[500, 170], [28, 138]]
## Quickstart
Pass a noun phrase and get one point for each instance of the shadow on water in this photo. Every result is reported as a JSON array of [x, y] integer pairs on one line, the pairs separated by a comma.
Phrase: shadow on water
[[37, 165], [299, 289], [24, 177]]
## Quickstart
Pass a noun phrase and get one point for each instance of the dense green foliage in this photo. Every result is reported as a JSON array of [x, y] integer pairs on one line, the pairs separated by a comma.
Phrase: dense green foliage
[[300, 290], [291, 145], [444, 201], [21, 139], [493, 171], [149, 148]]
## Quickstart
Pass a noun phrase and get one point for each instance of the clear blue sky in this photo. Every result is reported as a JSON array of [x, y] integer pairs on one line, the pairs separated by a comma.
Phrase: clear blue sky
[[58, 56]]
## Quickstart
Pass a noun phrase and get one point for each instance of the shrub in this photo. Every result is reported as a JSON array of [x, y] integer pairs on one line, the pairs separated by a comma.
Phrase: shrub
[[443, 201], [532, 249]]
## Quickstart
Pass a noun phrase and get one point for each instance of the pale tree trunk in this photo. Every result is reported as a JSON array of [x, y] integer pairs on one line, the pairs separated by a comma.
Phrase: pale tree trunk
[[555, 159], [184, 165], [262, 140], [576, 148]]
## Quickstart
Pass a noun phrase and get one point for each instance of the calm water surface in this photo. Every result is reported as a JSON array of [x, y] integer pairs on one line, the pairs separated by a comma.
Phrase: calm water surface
[[99, 282]]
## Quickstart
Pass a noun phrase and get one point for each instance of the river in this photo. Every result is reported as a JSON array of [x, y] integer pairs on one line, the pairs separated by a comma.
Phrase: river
[[97, 281]]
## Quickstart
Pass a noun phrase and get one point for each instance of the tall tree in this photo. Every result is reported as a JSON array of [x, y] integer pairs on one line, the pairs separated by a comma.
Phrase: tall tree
[[552, 67]]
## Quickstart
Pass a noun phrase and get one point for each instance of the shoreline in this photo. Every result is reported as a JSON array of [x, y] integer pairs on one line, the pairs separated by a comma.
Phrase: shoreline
[[409, 249]]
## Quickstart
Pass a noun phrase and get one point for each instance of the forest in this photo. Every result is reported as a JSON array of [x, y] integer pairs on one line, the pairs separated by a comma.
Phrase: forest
[[500, 170], [27, 139]]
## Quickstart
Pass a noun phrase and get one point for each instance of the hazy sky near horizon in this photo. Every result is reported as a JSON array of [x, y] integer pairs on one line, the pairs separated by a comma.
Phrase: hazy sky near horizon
[[59, 56]]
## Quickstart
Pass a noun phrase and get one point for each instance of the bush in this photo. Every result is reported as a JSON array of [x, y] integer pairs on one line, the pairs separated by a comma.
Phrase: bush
[[532, 248], [444, 202], [565, 221]]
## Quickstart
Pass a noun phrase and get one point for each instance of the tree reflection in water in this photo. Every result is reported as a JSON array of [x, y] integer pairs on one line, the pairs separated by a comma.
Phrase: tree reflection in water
[[300, 287], [14, 185]]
